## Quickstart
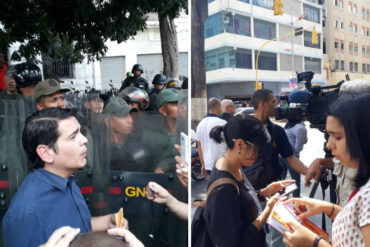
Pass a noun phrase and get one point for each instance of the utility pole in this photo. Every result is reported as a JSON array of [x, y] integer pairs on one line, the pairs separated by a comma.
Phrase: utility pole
[[277, 38]]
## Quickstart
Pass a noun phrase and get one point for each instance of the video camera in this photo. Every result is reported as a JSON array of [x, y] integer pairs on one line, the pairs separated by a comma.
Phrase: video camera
[[312, 103]]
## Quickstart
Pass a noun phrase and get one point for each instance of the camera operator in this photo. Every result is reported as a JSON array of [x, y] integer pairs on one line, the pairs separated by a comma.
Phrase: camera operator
[[345, 176], [267, 169]]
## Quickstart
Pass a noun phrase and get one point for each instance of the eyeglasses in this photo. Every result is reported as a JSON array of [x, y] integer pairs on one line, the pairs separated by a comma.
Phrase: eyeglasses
[[247, 142]]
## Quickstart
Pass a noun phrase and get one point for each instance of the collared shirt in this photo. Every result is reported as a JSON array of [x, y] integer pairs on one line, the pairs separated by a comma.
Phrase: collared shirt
[[43, 203], [345, 182]]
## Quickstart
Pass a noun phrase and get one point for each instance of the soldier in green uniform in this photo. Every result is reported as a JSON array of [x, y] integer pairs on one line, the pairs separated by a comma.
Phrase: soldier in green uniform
[[136, 98], [161, 141], [49, 93], [14, 108], [136, 80], [122, 148], [159, 83]]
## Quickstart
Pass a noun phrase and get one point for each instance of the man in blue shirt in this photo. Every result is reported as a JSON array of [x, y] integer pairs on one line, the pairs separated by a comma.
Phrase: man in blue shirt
[[49, 197]]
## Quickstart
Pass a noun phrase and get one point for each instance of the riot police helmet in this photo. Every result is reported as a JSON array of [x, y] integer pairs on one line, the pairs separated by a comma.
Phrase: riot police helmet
[[137, 67], [159, 79], [173, 83], [26, 74], [134, 94]]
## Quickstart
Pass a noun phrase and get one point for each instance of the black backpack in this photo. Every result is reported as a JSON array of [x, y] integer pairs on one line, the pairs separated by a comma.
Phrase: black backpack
[[199, 230]]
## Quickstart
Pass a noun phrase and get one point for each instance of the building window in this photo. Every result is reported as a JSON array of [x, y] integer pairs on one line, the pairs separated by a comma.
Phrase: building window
[[364, 68], [212, 25], [342, 65], [341, 25], [264, 29], [56, 68], [355, 8], [350, 47], [336, 64], [308, 40], [246, 1], [363, 51], [228, 57], [368, 68], [355, 28], [268, 4], [351, 66], [368, 51], [342, 45], [350, 28], [226, 22], [367, 32], [267, 61], [311, 13], [336, 44], [312, 64], [341, 3], [350, 7], [355, 48], [243, 58], [335, 23], [363, 13], [356, 67], [367, 14], [363, 31], [242, 25], [336, 2]]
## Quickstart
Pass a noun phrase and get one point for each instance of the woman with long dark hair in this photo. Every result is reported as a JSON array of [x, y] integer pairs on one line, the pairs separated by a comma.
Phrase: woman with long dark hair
[[233, 215], [348, 126]]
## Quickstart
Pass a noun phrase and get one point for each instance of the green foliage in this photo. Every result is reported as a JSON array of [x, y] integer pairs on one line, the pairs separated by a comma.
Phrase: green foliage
[[169, 8], [73, 29]]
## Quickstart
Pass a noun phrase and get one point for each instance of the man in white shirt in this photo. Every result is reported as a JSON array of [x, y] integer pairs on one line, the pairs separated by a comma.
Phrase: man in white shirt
[[209, 150]]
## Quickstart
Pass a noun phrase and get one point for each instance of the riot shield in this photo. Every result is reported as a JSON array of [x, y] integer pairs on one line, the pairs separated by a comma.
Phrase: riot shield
[[182, 114], [128, 152], [13, 162]]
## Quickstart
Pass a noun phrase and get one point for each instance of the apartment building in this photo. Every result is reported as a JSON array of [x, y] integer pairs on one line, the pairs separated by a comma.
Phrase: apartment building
[[346, 39], [236, 29]]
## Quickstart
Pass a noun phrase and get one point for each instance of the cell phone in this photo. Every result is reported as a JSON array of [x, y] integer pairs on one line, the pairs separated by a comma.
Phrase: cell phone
[[184, 150], [288, 189]]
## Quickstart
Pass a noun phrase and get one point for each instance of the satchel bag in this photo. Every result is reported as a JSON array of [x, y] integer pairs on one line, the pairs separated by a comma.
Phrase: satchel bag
[[199, 230]]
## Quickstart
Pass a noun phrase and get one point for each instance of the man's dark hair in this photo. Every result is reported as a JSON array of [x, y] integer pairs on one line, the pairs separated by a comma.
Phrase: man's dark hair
[[96, 239], [213, 103], [42, 128], [353, 112], [260, 95]]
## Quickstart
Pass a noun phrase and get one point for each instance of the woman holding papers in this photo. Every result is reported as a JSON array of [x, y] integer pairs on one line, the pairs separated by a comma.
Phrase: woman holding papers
[[233, 215], [348, 125]]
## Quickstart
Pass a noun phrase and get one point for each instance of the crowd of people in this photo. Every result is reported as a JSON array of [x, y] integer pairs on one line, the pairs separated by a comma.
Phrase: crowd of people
[[254, 152], [102, 137]]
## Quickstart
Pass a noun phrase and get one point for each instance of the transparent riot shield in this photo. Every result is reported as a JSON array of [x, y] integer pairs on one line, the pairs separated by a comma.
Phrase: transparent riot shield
[[13, 162], [182, 114], [130, 150]]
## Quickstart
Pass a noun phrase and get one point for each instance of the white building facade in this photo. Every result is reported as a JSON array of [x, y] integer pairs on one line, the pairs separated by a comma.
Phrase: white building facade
[[144, 48], [236, 29]]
